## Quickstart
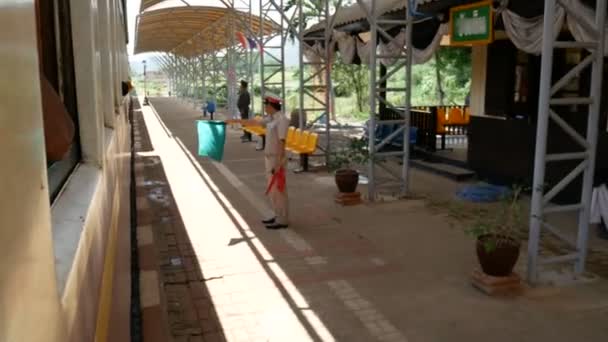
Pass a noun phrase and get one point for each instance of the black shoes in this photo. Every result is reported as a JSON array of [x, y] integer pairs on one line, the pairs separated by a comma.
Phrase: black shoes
[[269, 221], [271, 224], [276, 226]]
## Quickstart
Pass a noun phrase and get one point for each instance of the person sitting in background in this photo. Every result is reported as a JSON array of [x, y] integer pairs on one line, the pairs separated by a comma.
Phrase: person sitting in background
[[59, 129]]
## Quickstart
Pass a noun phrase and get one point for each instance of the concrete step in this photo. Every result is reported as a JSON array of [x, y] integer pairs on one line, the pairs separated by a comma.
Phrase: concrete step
[[454, 172]]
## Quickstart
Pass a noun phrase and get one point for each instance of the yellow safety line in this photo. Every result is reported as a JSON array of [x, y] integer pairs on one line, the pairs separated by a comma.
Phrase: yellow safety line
[[107, 281]]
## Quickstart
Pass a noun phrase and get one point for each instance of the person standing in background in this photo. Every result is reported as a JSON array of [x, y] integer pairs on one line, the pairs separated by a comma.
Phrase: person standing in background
[[210, 108], [243, 103]]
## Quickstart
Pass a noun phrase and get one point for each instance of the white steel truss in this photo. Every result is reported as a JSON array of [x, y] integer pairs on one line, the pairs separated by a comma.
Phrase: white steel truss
[[272, 56], [549, 102], [245, 60], [403, 64], [319, 77]]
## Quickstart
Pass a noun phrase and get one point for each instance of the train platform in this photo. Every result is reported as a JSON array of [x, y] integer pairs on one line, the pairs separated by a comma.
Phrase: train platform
[[388, 271]]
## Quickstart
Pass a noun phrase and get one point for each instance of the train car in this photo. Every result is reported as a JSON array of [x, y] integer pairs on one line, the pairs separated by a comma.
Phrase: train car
[[65, 175]]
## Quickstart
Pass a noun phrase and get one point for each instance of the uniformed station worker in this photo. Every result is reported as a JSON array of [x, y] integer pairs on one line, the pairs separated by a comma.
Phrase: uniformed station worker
[[276, 124]]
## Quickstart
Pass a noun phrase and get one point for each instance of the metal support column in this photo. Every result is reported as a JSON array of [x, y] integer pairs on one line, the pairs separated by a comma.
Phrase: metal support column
[[272, 52], [315, 71], [402, 62], [203, 79], [549, 101]]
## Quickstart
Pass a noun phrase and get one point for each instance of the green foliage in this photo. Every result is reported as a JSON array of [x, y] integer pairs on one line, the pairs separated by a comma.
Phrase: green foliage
[[501, 226], [351, 79], [350, 156], [453, 68]]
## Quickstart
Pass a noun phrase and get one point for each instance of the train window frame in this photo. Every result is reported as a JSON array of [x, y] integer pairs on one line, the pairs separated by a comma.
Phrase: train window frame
[[57, 65]]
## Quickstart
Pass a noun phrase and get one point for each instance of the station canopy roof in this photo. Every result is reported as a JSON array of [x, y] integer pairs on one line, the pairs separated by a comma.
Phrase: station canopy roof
[[190, 31], [354, 13]]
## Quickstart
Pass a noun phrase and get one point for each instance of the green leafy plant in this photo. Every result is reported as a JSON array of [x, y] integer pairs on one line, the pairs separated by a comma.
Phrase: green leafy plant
[[501, 227], [350, 156]]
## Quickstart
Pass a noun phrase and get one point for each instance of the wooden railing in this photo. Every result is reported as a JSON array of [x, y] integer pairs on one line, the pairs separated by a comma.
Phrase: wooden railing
[[434, 121]]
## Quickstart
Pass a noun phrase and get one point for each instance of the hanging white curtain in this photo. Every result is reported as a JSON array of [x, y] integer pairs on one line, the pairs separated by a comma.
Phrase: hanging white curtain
[[395, 47], [422, 56], [527, 33], [363, 51], [419, 56], [346, 45], [315, 53], [580, 32]]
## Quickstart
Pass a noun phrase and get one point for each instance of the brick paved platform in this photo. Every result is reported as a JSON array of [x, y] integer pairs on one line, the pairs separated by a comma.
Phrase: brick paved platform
[[385, 272]]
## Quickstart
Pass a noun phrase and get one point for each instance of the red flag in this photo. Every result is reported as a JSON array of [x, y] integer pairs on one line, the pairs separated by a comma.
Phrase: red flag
[[241, 37], [278, 180]]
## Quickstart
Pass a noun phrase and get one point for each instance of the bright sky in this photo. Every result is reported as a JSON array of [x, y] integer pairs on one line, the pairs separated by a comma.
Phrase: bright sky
[[291, 50]]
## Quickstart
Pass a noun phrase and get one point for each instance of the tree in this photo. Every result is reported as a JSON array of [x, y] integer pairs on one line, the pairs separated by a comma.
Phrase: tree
[[313, 9], [352, 78], [440, 93], [453, 74]]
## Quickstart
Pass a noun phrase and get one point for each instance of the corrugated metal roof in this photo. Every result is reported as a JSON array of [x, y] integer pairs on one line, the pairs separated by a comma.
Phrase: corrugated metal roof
[[350, 14], [148, 3], [193, 30]]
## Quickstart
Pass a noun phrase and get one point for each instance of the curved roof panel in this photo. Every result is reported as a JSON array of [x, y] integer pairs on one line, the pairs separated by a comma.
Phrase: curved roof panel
[[193, 30]]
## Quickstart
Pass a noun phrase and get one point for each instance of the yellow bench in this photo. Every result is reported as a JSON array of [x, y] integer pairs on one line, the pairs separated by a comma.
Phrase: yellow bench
[[302, 143], [257, 130]]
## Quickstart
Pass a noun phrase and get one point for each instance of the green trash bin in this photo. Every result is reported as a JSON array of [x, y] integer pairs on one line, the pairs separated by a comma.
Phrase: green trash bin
[[211, 139]]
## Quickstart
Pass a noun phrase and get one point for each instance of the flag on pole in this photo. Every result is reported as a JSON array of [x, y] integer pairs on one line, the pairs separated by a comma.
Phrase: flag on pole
[[241, 37], [278, 180], [248, 43], [251, 42], [211, 139]]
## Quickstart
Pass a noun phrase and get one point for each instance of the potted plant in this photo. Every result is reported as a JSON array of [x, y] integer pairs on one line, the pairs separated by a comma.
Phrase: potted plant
[[498, 236], [344, 162]]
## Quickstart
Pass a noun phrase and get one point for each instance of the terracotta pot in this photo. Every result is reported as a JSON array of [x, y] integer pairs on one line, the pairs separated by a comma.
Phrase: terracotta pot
[[499, 261], [347, 180]]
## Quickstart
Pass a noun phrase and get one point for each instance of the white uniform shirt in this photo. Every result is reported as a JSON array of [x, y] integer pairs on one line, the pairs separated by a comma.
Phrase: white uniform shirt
[[276, 130]]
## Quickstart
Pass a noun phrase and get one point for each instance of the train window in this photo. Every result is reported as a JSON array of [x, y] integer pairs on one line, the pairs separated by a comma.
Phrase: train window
[[58, 91]]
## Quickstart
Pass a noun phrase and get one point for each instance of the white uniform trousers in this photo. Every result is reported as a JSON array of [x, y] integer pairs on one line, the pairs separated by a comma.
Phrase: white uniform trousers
[[278, 199]]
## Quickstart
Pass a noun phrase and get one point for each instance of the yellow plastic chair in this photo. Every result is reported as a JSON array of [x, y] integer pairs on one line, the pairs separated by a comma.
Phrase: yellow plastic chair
[[311, 144], [455, 116], [301, 143], [295, 139], [290, 132], [306, 149], [441, 120]]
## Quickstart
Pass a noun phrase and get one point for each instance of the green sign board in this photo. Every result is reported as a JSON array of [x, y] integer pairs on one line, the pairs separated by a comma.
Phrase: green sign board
[[472, 24]]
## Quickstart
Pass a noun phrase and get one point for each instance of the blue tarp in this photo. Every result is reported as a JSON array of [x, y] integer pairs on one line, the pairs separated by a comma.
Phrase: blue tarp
[[483, 193], [211, 139]]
